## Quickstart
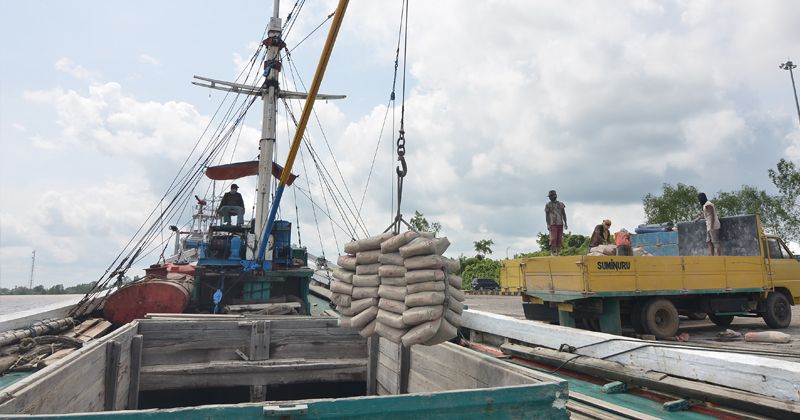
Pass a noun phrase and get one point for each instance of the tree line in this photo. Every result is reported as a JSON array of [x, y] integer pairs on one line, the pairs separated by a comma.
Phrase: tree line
[[59, 289]]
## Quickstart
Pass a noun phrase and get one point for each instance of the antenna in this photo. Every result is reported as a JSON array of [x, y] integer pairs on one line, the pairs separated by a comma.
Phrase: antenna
[[33, 264]]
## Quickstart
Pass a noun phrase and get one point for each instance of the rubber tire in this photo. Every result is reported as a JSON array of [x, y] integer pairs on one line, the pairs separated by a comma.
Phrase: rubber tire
[[696, 316], [720, 320], [637, 310], [660, 318], [778, 312]]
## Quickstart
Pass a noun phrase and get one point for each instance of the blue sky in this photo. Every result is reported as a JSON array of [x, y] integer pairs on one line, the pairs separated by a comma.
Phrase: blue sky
[[506, 100]]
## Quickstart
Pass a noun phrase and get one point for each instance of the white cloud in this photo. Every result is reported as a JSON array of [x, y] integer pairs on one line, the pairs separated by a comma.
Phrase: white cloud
[[66, 65], [148, 59]]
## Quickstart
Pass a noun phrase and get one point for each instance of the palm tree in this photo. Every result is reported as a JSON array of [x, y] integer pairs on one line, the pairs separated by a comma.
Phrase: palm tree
[[483, 247]]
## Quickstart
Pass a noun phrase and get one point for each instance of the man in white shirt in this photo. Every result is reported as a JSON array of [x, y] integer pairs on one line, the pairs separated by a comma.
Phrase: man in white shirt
[[712, 224]]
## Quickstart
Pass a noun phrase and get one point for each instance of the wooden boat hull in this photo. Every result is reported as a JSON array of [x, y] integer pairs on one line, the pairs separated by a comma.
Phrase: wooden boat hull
[[134, 301]]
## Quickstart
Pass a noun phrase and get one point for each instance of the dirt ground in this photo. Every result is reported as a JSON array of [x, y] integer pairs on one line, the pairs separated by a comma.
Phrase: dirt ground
[[702, 332]]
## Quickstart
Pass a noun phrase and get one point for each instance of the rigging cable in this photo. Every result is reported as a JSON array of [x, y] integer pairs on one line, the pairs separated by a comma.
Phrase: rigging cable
[[402, 169]]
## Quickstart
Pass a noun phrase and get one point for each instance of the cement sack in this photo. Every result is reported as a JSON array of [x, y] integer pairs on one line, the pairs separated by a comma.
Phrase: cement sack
[[391, 319], [415, 316], [341, 300], [348, 262], [364, 292], [347, 311], [343, 275], [397, 293], [605, 249], [451, 265], [391, 259], [393, 281], [456, 294], [595, 254], [369, 330], [341, 288], [455, 281], [365, 317], [370, 280], [390, 333], [367, 244], [424, 299], [367, 257], [344, 321], [386, 270], [421, 333], [446, 332], [362, 304], [640, 252], [424, 246], [428, 286], [419, 276], [423, 262], [368, 269], [398, 307], [455, 306], [452, 317], [394, 243]]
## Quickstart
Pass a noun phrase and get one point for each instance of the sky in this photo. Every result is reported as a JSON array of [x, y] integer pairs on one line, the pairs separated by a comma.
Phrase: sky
[[505, 100]]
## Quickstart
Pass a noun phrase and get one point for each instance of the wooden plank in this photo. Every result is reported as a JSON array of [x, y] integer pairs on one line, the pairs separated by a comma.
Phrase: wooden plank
[[387, 379], [135, 368], [113, 349], [389, 349], [765, 376], [72, 384], [719, 395], [405, 365], [373, 353], [259, 340], [242, 373]]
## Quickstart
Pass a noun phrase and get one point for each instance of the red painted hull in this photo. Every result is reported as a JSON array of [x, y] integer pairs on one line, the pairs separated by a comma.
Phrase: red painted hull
[[149, 296]]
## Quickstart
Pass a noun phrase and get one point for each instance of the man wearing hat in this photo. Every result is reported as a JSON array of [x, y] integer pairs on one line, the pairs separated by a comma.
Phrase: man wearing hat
[[556, 219], [232, 203], [601, 234]]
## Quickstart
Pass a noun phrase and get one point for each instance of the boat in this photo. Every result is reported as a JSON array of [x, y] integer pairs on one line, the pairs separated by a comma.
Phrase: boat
[[171, 364]]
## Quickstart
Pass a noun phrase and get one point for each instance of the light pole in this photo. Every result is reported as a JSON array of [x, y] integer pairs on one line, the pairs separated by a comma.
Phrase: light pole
[[788, 65]]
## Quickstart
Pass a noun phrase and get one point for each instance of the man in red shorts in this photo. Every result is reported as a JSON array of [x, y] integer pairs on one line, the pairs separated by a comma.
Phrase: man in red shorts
[[556, 219]]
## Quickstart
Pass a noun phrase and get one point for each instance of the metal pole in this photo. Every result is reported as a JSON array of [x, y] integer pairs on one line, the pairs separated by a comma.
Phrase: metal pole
[[33, 264], [268, 126], [788, 65]]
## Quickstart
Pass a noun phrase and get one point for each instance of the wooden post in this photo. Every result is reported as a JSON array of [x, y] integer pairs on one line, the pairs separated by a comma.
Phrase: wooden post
[[373, 350], [136, 366], [405, 365], [113, 349], [259, 350]]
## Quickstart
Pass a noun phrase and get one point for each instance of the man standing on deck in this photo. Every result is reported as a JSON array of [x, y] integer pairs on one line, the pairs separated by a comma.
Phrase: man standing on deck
[[556, 219], [232, 203], [712, 224]]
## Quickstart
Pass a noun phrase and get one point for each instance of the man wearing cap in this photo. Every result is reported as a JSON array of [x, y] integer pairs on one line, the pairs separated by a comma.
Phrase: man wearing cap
[[232, 203], [712, 224], [556, 219], [601, 234]]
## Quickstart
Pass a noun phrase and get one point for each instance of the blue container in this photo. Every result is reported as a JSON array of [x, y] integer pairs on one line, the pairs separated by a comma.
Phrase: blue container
[[282, 248]]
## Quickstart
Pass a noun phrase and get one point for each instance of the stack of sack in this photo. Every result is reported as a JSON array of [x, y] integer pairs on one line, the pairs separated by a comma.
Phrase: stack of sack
[[600, 250], [360, 265], [420, 297]]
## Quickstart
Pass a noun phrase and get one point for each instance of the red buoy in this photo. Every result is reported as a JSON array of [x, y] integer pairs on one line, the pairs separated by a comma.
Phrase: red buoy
[[152, 295]]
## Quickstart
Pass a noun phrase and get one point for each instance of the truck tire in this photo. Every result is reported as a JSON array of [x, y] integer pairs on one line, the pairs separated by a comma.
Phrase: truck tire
[[720, 320], [636, 316], [696, 316], [660, 318], [778, 312]]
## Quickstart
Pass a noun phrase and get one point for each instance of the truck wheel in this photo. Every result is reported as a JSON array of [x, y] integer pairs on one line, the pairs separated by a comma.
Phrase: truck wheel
[[720, 320], [696, 316], [636, 316], [660, 318], [779, 310]]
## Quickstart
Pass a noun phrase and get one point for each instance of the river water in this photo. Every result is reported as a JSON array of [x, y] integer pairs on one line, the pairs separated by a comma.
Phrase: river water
[[10, 304]]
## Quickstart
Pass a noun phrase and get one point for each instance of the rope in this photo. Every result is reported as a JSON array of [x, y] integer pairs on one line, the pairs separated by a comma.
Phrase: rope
[[402, 168]]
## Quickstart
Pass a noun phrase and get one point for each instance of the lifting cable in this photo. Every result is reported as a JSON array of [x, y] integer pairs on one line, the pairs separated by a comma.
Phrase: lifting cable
[[402, 168]]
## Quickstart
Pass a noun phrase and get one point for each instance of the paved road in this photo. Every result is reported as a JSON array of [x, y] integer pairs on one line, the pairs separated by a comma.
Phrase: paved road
[[700, 332]]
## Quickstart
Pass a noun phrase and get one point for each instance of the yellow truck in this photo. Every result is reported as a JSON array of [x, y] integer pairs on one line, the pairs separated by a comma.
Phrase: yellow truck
[[757, 276]]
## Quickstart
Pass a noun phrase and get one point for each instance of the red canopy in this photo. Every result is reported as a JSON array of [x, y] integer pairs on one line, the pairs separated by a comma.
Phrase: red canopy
[[243, 169]]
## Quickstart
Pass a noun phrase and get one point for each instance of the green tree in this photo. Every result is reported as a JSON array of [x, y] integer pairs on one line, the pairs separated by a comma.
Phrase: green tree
[[750, 200], [421, 224], [572, 244], [483, 247], [675, 204], [480, 268], [786, 179]]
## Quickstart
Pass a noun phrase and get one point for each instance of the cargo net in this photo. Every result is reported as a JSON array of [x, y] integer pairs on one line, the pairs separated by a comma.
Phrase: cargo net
[[399, 287]]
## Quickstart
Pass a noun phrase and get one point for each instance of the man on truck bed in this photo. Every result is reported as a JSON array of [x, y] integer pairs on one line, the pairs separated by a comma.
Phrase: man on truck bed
[[712, 224], [601, 234], [556, 219]]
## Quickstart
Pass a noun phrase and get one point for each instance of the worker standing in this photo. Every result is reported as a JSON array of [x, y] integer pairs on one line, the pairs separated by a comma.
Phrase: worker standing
[[601, 234], [623, 241], [556, 219], [712, 224]]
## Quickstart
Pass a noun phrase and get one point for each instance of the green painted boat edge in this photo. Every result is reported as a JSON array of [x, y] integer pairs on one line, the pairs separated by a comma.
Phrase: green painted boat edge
[[539, 401]]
